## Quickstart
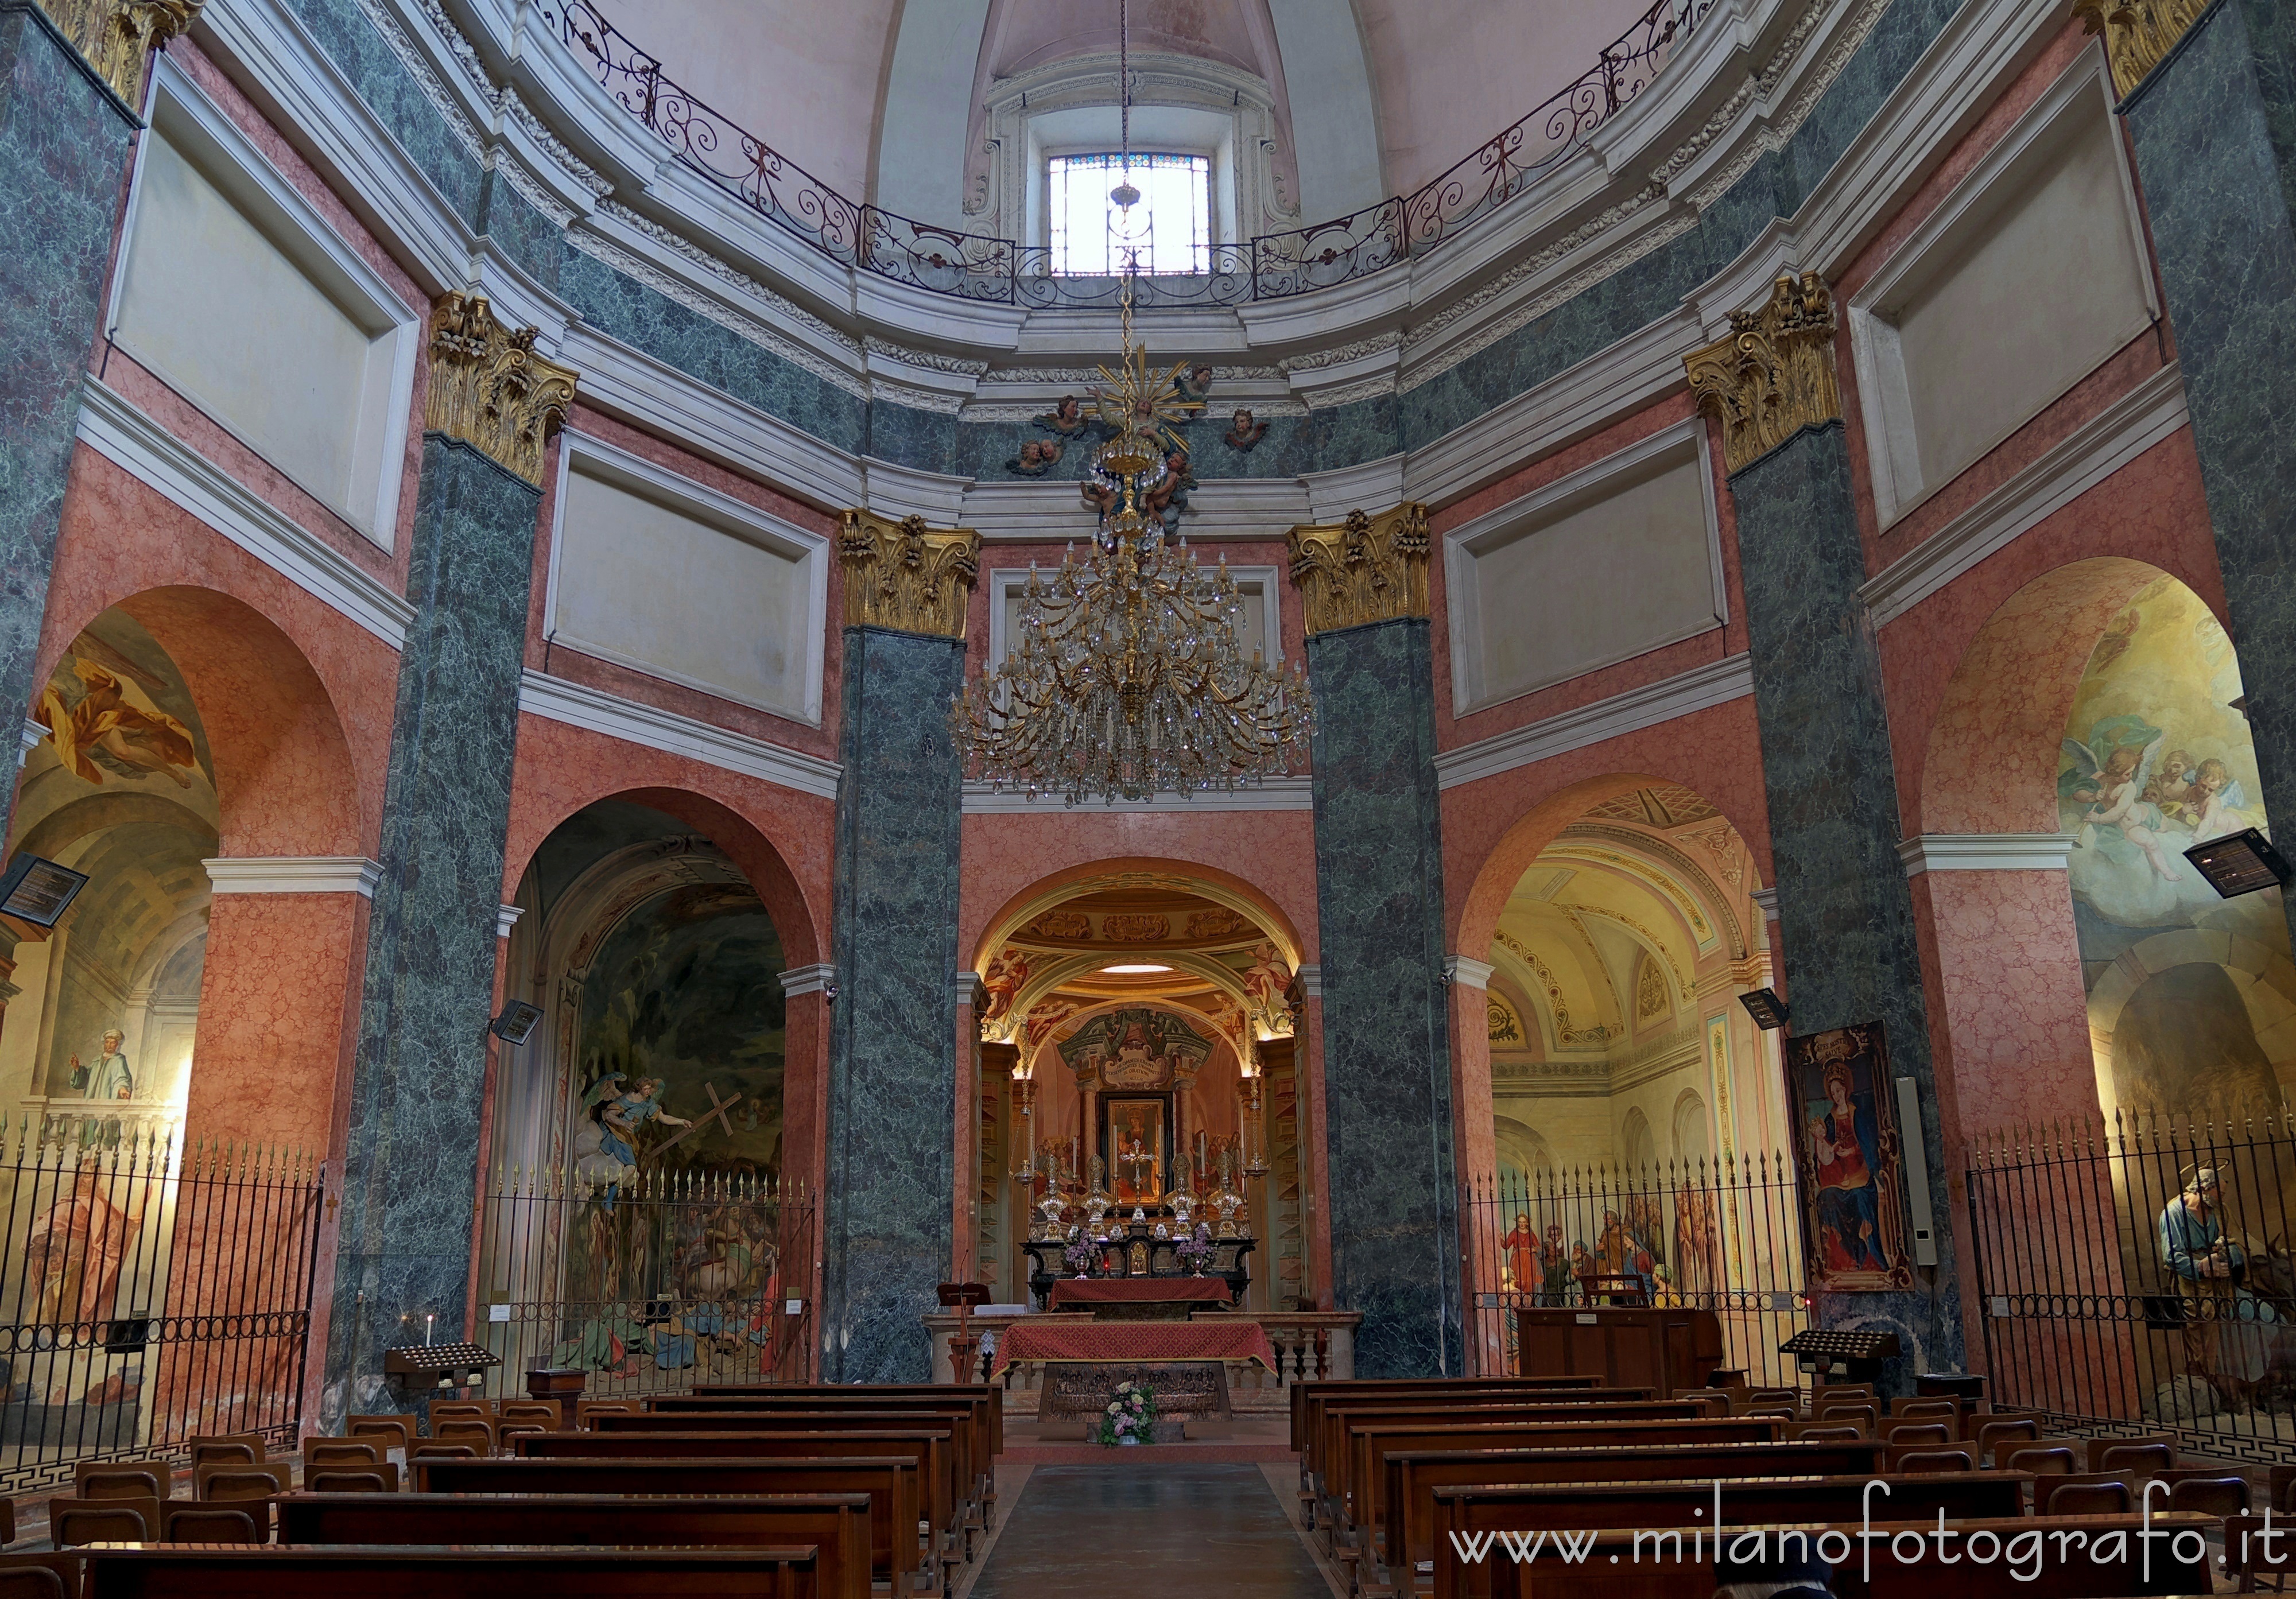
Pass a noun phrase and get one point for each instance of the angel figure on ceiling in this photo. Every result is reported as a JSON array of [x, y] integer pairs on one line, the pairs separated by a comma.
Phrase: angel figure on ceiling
[[1194, 385], [2113, 788], [1067, 418], [1244, 434], [1037, 457]]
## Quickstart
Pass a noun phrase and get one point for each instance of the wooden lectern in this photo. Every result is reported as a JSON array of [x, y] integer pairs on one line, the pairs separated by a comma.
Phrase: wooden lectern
[[965, 1344]]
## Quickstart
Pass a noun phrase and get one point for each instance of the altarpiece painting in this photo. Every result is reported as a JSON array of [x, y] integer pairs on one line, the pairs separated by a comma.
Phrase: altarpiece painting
[[1847, 1146]]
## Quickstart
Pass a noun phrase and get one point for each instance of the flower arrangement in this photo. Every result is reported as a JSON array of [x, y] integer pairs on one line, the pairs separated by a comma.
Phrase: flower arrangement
[[1130, 1417], [1195, 1254], [1080, 1254]]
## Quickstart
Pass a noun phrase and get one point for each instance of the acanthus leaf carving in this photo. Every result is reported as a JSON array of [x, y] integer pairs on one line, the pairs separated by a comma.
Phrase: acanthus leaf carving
[[118, 37], [904, 575], [2138, 34], [1772, 375], [489, 390], [1366, 568]]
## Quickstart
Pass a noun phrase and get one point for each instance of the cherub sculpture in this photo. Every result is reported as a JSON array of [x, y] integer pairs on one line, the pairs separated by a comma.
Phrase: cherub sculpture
[[1243, 433], [1037, 457]]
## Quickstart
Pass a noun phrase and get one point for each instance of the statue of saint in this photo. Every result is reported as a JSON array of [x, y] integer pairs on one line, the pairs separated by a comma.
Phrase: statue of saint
[[109, 1077]]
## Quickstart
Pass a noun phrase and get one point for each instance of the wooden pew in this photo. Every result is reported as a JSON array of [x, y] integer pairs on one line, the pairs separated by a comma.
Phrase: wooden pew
[[991, 1394], [1408, 1504], [836, 1524], [1305, 1396], [1311, 1416], [928, 1447], [977, 1409], [1682, 1568], [895, 1547], [1327, 1461], [358, 1571], [1466, 1513], [1364, 1481], [965, 1467]]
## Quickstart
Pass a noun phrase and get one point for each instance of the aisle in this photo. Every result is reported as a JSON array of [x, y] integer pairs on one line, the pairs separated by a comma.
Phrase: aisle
[[1171, 1529]]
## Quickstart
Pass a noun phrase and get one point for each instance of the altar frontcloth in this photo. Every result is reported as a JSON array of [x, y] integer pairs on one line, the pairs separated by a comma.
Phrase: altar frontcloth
[[1139, 1290], [1135, 1343]]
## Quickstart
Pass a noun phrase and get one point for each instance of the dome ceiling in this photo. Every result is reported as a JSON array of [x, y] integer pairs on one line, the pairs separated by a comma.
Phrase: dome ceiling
[[882, 99]]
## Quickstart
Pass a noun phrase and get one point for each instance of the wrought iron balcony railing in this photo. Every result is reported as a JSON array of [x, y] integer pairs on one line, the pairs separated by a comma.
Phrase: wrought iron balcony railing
[[867, 238]]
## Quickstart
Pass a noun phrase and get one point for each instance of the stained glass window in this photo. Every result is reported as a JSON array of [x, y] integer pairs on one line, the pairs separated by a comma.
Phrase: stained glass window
[[1167, 231]]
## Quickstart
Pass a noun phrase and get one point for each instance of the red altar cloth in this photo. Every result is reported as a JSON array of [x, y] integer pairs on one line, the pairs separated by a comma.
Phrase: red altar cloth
[[1138, 1290], [1142, 1342]]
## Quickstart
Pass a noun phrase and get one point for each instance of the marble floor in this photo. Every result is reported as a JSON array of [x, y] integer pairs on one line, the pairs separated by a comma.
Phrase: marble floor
[[1171, 1527]]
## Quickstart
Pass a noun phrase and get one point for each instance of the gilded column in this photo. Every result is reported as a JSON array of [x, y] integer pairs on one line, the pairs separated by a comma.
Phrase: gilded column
[[1845, 911], [1379, 902], [70, 79], [895, 1089], [411, 1152], [2210, 100]]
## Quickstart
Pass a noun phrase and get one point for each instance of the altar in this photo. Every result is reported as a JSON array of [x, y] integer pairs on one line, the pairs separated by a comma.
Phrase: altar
[[1185, 1363]]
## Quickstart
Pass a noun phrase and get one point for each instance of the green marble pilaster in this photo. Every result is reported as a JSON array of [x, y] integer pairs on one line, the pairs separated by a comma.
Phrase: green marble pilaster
[[893, 1090], [64, 141], [2215, 136], [411, 1157], [1845, 908], [1387, 1054]]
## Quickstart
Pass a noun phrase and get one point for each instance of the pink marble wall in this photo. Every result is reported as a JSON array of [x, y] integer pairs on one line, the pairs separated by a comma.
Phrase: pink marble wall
[[297, 698], [278, 1016], [1269, 855], [560, 660], [1494, 828], [1474, 1131], [1654, 665]]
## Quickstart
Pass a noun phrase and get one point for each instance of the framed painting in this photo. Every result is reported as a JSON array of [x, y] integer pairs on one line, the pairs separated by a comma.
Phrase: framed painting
[[1848, 1157], [1136, 1133]]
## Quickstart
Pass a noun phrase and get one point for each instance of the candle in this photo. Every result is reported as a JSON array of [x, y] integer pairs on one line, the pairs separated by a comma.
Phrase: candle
[[428, 1323]]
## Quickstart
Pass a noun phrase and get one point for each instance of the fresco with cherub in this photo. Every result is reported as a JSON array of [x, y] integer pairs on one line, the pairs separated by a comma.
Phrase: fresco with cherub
[[2156, 758]]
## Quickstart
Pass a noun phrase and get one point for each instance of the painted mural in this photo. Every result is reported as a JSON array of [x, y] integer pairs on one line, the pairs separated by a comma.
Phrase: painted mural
[[682, 1039], [672, 1258], [119, 786], [2156, 758]]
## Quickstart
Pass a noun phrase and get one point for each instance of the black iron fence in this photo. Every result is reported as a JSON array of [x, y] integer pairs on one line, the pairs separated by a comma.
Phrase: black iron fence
[[942, 261], [1721, 1236], [2135, 1277], [152, 1294], [650, 1284]]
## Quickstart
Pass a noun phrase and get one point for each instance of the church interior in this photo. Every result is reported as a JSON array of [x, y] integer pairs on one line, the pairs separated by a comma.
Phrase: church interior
[[1314, 797]]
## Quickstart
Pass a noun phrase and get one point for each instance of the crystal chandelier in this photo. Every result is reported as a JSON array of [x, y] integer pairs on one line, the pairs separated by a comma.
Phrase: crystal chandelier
[[1126, 679]]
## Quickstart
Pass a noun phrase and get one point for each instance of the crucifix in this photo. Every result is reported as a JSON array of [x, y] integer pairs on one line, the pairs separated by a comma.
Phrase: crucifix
[[1139, 1158], [716, 1110]]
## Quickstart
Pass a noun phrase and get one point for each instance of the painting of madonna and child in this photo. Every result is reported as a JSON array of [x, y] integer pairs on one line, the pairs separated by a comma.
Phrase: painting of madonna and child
[[1846, 1141], [676, 1126]]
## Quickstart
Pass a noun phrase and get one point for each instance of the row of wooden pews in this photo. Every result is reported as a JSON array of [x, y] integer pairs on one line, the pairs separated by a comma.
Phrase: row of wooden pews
[[1495, 1488], [787, 1492]]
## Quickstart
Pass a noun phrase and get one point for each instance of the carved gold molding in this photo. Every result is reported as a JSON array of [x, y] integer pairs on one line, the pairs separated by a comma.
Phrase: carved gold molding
[[489, 390], [2137, 33], [1773, 375], [118, 37], [902, 574], [1368, 569]]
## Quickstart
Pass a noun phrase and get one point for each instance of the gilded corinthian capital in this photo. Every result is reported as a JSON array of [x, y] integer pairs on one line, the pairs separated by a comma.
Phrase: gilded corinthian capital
[[904, 575], [1773, 375], [2137, 33], [1367, 569], [118, 37], [489, 390]]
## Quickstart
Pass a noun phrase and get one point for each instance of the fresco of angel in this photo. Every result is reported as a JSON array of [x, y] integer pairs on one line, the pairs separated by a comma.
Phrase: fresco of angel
[[2112, 785], [102, 730]]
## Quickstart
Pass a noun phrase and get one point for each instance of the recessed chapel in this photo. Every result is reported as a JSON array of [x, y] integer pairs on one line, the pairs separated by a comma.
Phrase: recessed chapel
[[967, 796]]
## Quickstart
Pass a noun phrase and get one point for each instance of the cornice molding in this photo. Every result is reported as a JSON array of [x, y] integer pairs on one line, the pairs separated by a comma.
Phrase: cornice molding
[[1685, 693], [120, 431], [807, 979], [1277, 793], [559, 701], [293, 874], [1987, 852]]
